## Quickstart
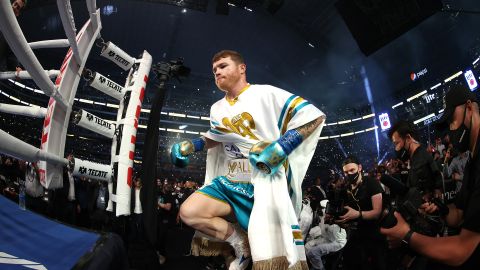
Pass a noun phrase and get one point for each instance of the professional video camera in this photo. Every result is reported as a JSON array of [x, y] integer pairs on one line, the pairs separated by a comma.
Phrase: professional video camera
[[173, 68], [410, 200], [337, 196]]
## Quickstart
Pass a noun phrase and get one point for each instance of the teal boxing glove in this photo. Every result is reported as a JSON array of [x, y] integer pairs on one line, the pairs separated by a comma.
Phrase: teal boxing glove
[[180, 151], [268, 157]]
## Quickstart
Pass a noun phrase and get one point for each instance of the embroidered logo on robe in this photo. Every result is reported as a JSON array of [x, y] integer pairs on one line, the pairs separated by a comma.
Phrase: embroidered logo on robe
[[241, 124]]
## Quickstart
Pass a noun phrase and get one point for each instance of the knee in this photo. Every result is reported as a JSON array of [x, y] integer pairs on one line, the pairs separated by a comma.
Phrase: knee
[[188, 215]]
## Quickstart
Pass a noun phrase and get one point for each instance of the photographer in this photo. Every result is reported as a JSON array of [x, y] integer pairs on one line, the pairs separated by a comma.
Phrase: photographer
[[365, 248], [424, 173], [462, 115], [424, 183]]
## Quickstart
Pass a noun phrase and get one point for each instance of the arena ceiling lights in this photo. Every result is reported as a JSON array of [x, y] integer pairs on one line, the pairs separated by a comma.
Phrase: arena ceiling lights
[[453, 76], [476, 61], [200, 5], [202, 118], [435, 86], [416, 95], [396, 105], [423, 118]]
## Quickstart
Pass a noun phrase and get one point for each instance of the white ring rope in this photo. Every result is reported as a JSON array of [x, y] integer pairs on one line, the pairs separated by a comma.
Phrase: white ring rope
[[46, 44], [16, 148], [36, 112], [25, 75]]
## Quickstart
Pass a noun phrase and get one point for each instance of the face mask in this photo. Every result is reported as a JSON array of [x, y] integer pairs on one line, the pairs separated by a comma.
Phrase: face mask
[[352, 178], [460, 137], [402, 154]]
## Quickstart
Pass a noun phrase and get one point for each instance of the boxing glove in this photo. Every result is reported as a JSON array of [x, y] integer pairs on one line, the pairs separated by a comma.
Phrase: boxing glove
[[180, 151], [268, 157]]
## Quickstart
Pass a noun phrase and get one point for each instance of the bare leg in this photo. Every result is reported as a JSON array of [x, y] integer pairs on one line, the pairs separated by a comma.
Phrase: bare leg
[[204, 214]]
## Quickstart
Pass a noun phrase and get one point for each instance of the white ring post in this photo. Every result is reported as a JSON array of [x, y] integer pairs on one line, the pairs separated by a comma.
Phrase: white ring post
[[127, 121]]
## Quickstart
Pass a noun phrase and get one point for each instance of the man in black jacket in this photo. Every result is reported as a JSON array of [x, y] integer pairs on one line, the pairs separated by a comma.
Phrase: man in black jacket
[[461, 114]]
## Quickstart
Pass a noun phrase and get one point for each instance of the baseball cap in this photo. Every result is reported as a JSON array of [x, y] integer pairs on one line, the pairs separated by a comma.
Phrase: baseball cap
[[458, 95]]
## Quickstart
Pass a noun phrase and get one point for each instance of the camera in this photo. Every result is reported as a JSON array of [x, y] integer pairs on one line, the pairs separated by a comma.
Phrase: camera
[[172, 68], [410, 200], [178, 69], [337, 196]]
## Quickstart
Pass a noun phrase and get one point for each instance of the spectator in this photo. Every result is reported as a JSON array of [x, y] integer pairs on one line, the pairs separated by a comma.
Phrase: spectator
[[166, 218], [136, 223], [322, 240], [8, 60], [317, 194], [33, 189], [455, 166], [438, 159], [439, 146], [98, 205], [83, 193]]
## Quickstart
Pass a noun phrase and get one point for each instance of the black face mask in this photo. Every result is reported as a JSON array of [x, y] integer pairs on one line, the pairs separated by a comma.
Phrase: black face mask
[[403, 154], [352, 178], [460, 137]]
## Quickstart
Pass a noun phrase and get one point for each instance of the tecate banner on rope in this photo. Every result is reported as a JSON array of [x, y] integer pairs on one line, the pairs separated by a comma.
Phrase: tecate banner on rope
[[116, 55], [107, 86], [96, 124], [92, 170]]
